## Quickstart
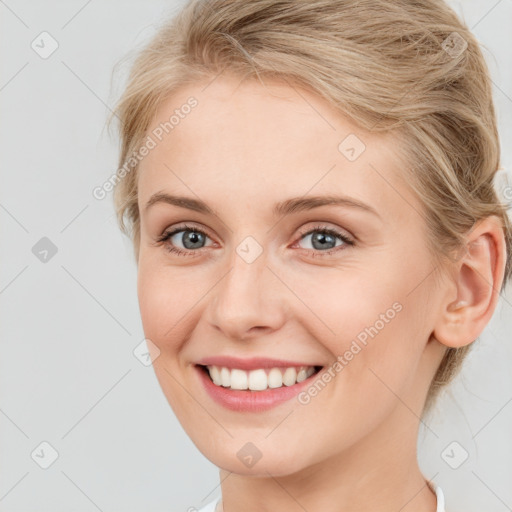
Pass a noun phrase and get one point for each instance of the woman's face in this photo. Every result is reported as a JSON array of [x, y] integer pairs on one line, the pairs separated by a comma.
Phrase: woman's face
[[279, 280]]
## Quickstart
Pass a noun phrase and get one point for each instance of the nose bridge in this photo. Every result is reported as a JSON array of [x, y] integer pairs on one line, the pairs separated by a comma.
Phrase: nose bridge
[[246, 296]]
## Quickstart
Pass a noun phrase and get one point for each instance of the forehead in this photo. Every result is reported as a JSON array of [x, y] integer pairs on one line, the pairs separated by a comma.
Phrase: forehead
[[246, 140]]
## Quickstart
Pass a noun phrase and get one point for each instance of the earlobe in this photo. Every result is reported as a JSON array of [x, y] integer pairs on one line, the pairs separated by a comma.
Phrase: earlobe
[[477, 280]]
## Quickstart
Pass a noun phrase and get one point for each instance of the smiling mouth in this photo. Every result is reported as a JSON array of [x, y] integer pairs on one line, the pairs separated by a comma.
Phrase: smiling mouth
[[259, 379]]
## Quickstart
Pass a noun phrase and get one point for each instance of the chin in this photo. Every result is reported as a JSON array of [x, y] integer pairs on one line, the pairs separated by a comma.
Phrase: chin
[[258, 459]]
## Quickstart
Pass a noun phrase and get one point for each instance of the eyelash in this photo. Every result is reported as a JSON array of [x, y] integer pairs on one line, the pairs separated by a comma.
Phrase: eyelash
[[166, 236]]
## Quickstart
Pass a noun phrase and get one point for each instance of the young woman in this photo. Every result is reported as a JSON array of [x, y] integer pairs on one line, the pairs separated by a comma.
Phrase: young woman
[[309, 189]]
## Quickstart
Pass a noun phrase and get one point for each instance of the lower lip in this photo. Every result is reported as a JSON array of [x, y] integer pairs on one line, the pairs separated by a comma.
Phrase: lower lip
[[251, 401]]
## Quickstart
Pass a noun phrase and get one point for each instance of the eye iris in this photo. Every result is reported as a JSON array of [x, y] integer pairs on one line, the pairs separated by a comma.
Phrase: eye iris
[[192, 239], [195, 238], [322, 239]]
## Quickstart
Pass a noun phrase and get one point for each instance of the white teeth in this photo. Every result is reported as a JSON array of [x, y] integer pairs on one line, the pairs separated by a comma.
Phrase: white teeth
[[225, 377], [302, 375], [290, 377], [238, 379], [257, 380], [260, 379], [215, 375], [275, 378]]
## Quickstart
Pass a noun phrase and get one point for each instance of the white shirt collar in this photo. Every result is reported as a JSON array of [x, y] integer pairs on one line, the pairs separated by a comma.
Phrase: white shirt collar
[[440, 499]]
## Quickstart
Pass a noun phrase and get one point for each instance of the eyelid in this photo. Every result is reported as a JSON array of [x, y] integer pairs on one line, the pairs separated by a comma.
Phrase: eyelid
[[169, 232], [343, 235]]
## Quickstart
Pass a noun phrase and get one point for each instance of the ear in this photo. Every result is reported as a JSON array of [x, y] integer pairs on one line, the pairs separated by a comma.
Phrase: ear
[[474, 288]]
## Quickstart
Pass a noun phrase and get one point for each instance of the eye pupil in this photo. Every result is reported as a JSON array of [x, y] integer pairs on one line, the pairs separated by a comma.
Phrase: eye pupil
[[192, 236], [322, 239]]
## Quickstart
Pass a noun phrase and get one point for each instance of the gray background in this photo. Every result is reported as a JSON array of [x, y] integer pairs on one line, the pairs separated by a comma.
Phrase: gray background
[[69, 325]]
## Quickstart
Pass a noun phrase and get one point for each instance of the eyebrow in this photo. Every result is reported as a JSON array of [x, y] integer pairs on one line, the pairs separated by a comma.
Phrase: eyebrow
[[287, 207]]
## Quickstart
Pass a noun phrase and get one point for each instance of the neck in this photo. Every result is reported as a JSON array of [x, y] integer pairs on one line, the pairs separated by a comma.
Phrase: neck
[[380, 472]]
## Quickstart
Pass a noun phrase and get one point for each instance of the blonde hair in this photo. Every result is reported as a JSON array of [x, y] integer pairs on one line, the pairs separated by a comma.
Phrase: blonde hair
[[389, 65]]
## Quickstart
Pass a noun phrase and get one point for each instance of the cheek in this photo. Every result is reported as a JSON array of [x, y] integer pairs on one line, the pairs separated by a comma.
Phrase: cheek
[[368, 320], [167, 298], [340, 304], [165, 302]]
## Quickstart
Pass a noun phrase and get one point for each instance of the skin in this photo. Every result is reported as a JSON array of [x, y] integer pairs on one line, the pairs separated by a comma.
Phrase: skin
[[244, 148]]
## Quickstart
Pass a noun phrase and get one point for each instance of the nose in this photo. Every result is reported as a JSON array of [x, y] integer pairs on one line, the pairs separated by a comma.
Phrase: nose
[[248, 301]]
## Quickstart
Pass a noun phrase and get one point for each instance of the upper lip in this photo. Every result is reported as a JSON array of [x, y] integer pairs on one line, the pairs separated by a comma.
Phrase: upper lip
[[252, 363]]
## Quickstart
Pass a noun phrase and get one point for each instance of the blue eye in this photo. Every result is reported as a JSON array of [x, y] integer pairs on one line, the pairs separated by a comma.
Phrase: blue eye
[[194, 238], [322, 237]]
